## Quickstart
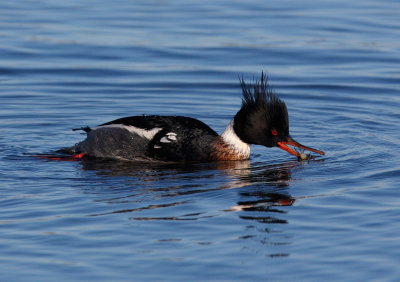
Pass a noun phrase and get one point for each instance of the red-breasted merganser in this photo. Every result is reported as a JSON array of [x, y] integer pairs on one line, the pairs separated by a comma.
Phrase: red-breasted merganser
[[262, 120]]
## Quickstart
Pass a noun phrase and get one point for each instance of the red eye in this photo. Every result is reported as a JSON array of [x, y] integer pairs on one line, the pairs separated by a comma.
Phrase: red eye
[[274, 132]]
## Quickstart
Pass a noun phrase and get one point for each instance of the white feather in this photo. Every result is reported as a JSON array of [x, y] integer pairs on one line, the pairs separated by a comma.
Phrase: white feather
[[230, 137], [165, 140], [148, 134], [171, 136]]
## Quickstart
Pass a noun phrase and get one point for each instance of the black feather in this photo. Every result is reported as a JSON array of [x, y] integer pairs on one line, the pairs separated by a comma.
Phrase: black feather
[[261, 112], [86, 129], [259, 93]]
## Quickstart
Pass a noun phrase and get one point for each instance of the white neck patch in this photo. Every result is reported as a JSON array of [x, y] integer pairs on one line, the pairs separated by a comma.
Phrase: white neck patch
[[230, 138]]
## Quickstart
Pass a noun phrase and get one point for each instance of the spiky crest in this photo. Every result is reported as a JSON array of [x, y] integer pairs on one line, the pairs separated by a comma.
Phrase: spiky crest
[[261, 113], [259, 93]]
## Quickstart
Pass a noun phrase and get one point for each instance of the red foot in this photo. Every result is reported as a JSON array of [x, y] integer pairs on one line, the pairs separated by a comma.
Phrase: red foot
[[76, 157], [285, 202]]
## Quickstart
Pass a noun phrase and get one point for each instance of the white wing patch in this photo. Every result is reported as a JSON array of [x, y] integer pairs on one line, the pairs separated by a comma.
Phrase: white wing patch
[[169, 137], [144, 133]]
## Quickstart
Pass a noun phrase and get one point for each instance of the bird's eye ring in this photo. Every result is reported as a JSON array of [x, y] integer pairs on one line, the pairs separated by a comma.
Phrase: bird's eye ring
[[274, 132]]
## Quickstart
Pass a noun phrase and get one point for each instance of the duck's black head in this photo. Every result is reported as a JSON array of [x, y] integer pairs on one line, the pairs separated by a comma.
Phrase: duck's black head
[[263, 118]]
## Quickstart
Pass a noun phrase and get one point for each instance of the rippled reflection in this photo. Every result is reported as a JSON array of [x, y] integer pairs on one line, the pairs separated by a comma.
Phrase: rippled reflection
[[260, 188], [194, 192]]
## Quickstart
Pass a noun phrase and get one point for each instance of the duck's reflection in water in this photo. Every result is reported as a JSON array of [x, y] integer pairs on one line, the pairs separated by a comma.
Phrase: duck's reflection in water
[[257, 193], [260, 187], [267, 187]]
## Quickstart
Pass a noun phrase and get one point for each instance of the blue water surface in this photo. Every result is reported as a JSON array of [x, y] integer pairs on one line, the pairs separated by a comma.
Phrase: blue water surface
[[67, 64]]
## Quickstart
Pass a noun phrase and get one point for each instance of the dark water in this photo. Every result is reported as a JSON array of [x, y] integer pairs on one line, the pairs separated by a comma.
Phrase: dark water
[[77, 63]]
